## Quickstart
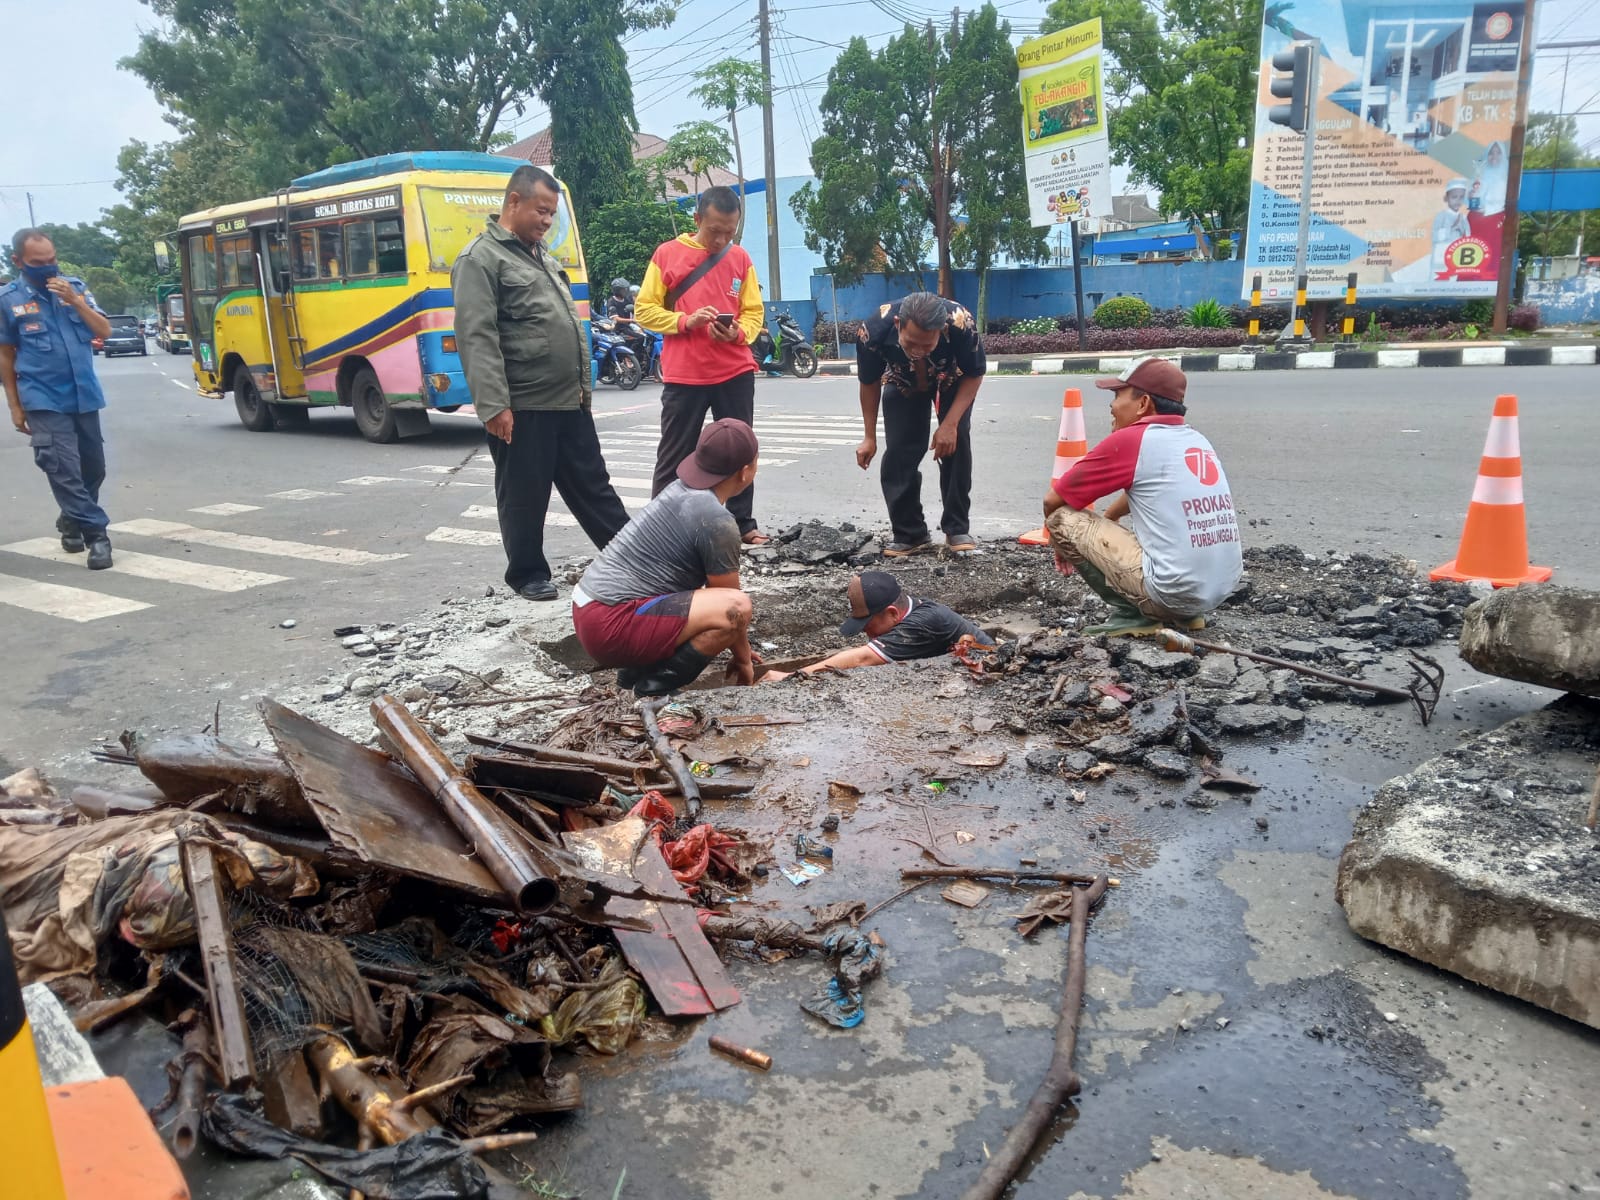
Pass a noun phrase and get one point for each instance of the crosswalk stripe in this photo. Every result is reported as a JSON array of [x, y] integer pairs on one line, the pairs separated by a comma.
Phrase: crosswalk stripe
[[628, 481], [783, 441], [225, 510], [480, 512], [68, 603], [152, 566], [249, 543], [465, 537], [304, 494], [370, 480]]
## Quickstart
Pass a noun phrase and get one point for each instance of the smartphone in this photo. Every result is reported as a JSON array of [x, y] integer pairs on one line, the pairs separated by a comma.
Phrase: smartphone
[[725, 320]]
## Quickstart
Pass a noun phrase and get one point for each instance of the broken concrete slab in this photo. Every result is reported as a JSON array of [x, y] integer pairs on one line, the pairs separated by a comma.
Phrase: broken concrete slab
[[1258, 718], [1149, 657], [1505, 892], [1544, 635], [1153, 721]]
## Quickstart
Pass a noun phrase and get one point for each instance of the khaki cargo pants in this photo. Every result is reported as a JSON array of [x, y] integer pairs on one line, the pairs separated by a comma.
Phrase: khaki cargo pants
[[1081, 537]]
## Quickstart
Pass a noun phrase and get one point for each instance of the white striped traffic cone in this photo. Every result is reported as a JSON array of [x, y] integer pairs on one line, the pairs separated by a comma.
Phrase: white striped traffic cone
[[1072, 443], [1494, 542]]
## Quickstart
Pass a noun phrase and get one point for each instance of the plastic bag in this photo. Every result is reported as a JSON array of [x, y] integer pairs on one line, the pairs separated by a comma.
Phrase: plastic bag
[[605, 1017]]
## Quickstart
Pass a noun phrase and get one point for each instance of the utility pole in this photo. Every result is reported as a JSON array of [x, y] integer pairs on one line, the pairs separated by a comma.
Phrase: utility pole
[[31, 221], [774, 275], [1519, 135]]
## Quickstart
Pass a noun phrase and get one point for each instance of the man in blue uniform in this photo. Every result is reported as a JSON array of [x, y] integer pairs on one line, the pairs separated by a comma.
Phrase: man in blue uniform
[[47, 322]]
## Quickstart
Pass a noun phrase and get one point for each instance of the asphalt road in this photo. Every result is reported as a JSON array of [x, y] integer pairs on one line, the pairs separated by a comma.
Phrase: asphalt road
[[222, 534]]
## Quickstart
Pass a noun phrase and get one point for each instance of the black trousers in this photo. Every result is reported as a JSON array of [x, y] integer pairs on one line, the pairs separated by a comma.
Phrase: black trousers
[[907, 431], [683, 412], [550, 448]]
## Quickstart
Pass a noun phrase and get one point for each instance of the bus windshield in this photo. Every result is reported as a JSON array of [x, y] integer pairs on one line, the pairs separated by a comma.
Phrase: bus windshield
[[453, 218]]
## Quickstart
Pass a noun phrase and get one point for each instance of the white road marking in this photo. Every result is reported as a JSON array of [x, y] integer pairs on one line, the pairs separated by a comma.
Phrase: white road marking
[[68, 603], [304, 494], [183, 385], [151, 566], [226, 510], [249, 543], [466, 537], [785, 440], [629, 481], [480, 512], [369, 480]]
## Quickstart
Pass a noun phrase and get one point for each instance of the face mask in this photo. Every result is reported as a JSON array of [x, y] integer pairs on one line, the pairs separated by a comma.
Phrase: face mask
[[39, 276]]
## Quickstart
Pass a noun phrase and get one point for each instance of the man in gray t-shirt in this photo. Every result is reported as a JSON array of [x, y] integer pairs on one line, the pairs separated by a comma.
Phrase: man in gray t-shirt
[[663, 598]]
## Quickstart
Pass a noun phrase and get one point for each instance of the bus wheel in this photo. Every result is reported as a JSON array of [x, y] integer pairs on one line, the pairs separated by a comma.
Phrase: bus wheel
[[449, 408], [254, 413], [374, 417], [291, 416]]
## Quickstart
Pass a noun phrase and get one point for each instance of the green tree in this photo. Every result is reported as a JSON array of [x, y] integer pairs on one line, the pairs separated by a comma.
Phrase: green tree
[[85, 244], [162, 183], [295, 85], [906, 137], [111, 292], [1183, 94], [728, 86], [989, 176], [620, 238], [697, 148]]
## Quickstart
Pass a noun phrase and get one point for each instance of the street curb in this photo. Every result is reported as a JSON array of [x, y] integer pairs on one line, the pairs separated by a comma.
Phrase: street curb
[[1282, 360]]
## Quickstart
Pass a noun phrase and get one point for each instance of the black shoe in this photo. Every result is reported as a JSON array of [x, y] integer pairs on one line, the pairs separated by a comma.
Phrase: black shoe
[[539, 589], [71, 536], [99, 546], [628, 676], [682, 666]]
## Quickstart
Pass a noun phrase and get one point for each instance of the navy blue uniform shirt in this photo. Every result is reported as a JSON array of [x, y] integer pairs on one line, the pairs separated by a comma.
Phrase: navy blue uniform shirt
[[55, 363]]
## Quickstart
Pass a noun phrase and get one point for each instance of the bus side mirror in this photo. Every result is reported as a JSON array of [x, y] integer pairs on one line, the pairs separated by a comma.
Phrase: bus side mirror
[[163, 257]]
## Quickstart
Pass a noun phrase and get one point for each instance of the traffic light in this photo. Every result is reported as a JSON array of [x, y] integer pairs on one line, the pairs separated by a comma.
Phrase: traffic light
[[1295, 87]]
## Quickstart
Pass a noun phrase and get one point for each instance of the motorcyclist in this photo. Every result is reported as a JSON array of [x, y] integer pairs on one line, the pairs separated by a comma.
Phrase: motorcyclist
[[620, 303]]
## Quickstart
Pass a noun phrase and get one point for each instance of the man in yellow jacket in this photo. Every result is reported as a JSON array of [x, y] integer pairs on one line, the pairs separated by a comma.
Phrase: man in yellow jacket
[[701, 294]]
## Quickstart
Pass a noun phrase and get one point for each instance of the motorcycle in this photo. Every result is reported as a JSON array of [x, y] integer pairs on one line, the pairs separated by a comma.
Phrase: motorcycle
[[786, 351], [645, 346], [616, 363]]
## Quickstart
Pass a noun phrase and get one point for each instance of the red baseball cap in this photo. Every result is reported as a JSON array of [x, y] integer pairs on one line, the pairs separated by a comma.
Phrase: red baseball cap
[[1158, 376], [725, 448]]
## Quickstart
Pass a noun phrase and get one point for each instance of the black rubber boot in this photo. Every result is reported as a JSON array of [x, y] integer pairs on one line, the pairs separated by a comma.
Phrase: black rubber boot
[[99, 546], [682, 666], [71, 536]]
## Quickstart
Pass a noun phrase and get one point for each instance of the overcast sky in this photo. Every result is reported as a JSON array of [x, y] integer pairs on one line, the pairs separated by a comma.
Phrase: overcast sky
[[80, 109]]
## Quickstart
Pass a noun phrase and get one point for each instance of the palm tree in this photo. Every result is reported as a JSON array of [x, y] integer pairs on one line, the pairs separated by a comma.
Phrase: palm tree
[[728, 86]]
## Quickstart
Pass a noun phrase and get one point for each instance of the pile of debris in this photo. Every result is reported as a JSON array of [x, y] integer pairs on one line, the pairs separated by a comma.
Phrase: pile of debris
[[424, 943]]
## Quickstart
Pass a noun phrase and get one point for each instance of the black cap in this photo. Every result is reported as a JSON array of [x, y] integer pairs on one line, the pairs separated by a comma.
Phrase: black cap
[[870, 593]]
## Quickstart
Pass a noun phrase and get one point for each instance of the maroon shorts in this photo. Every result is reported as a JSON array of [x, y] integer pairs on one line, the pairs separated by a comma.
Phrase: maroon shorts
[[634, 633]]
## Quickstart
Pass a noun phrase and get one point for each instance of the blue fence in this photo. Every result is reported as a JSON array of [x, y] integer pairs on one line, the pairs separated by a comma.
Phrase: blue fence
[[1046, 291], [1566, 301]]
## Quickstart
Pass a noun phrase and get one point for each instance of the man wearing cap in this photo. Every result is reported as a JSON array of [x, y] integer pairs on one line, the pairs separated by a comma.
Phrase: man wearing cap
[[898, 627], [1183, 556], [663, 598]]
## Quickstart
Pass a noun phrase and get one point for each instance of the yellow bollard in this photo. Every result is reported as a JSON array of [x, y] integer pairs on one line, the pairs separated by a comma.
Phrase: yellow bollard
[[27, 1143]]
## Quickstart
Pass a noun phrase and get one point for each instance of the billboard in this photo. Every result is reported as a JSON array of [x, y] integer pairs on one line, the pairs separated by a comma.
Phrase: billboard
[[1066, 151], [1413, 117]]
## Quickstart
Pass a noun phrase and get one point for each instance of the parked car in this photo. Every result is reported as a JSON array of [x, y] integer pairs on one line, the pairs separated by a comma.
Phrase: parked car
[[126, 337]]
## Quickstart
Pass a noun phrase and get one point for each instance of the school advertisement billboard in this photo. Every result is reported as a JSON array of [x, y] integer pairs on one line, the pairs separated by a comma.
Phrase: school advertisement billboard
[[1066, 150], [1413, 115]]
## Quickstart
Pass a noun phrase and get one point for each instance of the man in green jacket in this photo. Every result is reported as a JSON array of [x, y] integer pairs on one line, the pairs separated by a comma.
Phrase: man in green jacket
[[527, 364]]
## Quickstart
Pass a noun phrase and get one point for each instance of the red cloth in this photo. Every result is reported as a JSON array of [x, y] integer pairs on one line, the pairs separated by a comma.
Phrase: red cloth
[[634, 633], [688, 856]]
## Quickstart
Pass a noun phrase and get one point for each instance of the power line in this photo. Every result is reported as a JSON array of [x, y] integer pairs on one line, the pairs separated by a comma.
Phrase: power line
[[75, 183]]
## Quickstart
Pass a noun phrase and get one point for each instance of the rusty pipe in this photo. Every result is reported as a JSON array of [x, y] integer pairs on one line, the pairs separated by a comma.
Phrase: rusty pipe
[[191, 1092], [493, 837]]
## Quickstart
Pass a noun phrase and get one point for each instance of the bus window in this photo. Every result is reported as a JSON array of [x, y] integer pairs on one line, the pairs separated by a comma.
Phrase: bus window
[[305, 254], [203, 263], [238, 263], [391, 248], [330, 252], [361, 256], [454, 218]]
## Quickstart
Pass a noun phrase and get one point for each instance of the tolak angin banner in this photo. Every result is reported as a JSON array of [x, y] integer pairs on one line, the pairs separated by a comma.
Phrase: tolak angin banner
[[1413, 119], [1066, 151]]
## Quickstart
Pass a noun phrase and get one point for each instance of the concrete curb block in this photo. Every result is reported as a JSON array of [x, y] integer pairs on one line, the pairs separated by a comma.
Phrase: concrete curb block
[[1310, 360]]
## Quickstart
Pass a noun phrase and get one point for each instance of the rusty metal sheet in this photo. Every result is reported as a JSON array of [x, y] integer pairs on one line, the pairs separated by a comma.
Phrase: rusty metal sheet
[[683, 972], [373, 806], [553, 783]]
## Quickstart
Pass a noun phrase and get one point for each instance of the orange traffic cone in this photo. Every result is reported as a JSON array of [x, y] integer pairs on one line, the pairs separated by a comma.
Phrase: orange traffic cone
[[1072, 443], [1494, 543]]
